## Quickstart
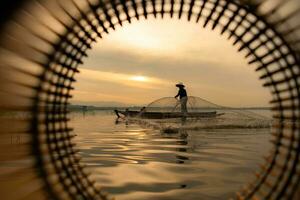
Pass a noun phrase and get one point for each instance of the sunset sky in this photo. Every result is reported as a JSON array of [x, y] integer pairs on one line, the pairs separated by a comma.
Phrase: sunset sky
[[142, 62]]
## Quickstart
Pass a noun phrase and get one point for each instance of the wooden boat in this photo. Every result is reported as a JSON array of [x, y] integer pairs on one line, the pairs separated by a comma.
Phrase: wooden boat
[[164, 115]]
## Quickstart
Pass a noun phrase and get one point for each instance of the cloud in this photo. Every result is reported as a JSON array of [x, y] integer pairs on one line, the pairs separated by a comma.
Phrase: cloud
[[173, 51], [130, 80], [92, 96]]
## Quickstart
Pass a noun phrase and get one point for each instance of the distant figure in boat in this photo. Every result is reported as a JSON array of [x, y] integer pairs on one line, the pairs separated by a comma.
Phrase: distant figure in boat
[[183, 97]]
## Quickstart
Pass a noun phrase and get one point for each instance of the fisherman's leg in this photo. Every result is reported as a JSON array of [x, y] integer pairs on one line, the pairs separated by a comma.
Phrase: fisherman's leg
[[184, 106], [185, 109], [183, 102]]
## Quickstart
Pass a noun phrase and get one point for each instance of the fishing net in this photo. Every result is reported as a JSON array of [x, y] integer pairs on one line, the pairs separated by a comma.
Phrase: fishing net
[[170, 104], [226, 117]]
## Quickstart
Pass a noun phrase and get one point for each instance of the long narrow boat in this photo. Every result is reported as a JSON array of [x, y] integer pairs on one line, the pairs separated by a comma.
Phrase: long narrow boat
[[163, 115]]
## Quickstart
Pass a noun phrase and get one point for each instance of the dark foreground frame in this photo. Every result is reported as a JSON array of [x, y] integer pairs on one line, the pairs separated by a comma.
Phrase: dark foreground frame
[[45, 42]]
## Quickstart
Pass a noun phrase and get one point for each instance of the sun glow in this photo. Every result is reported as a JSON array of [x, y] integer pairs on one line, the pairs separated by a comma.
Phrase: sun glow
[[139, 78]]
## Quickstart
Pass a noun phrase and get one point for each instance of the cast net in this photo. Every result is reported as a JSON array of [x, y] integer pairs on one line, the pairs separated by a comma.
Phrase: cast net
[[170, 104], [226, 117]]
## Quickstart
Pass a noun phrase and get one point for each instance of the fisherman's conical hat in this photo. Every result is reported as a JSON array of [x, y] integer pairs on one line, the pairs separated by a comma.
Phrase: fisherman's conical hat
[[180, 84]]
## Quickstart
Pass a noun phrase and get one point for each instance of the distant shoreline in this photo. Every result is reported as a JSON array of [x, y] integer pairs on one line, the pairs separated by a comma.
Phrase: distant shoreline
[[90, 108]]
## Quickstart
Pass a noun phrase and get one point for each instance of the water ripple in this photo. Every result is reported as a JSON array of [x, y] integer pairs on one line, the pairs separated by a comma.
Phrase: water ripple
[[133, 162]]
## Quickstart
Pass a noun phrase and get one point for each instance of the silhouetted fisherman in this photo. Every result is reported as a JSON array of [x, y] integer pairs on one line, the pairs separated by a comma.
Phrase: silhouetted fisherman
[[183, 97]]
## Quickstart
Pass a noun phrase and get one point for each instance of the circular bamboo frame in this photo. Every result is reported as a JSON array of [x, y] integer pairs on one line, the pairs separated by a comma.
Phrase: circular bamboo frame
[[55, 45]]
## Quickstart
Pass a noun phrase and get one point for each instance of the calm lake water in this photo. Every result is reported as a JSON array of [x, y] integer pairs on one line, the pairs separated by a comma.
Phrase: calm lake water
[[134, 162]]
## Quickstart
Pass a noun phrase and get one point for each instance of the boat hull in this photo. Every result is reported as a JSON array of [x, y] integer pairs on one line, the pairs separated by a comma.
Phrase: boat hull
[[164, 115]]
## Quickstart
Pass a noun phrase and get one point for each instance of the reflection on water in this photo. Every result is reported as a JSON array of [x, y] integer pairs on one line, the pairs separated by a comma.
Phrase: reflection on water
[[132, 162]]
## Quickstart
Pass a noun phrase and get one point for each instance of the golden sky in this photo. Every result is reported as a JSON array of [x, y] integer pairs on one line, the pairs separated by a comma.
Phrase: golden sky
[[142, 61]]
